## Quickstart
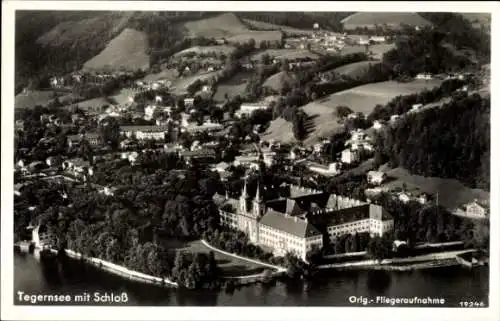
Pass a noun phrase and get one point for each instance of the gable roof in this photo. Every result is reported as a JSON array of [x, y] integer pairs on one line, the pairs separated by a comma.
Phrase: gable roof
[[352, 214], [292, 225]]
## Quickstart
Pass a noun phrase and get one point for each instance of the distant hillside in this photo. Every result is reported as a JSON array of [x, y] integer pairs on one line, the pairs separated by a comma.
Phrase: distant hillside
[[478, 19], [391, 19], [298, 20], [126, 51], [230, 27]]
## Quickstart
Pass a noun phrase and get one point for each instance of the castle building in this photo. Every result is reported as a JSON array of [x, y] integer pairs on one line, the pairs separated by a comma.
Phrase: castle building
[[303, 219]]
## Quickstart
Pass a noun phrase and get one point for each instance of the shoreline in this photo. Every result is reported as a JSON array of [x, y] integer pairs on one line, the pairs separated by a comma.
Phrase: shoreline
[[119, 270]]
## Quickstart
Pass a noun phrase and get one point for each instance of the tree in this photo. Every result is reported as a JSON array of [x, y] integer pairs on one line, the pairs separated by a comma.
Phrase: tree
[[110, 131], [342, 111]]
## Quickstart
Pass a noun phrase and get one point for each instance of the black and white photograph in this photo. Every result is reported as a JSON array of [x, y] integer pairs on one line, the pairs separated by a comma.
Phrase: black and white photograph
[[207, 154]]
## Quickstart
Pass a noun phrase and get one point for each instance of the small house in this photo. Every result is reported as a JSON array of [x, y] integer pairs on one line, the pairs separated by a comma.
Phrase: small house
[[349, 156], [376, 177]]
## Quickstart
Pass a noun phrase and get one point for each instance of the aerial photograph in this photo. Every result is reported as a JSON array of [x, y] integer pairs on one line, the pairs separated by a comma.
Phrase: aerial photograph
[[246, 158]]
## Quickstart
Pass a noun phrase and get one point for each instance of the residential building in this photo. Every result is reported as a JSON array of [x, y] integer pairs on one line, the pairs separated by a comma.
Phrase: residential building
[[78, 167], [404, 197], [202, 154], [394, 118], [378, 125], [205, 127], [248, 109], [327, 170], [477, 209], [149, 111], [349, 156], [424, 76], [377, 39], [188, 102], [130, 156], [144, 132], [94, 139], [376, 178], [416, 107], [54, 161]]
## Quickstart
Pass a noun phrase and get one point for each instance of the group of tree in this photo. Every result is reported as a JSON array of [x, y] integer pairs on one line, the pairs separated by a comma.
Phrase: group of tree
[[448, 142], [402, 104]]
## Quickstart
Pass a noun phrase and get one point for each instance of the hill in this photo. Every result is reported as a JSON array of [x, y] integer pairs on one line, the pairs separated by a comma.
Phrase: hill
[[361, 99], [32, 98], [356, 69], [391, 19], [230, 27], [289, 31], [285, 54], [452, 193], [224, 25], [278, 81], [126, 51], [226, 50], [478, 19]]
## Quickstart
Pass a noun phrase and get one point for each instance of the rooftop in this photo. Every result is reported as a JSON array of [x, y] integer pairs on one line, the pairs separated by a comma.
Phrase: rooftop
[[289, 224]]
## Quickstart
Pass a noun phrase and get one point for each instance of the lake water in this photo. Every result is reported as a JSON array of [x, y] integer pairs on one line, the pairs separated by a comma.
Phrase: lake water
[[333, 288]]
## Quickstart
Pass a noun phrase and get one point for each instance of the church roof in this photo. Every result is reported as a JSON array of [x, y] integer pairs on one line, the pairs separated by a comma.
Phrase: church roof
[[289, 224]]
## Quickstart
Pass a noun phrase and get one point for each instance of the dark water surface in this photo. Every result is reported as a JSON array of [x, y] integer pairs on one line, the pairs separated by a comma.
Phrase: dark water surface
[[333, 288]]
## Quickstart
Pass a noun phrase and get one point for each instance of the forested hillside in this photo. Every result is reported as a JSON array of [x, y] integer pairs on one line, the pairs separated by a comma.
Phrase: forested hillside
[[448, 142]]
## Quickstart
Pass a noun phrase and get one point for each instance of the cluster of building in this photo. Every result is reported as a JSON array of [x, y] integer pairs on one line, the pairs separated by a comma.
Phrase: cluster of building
[[301, 220]]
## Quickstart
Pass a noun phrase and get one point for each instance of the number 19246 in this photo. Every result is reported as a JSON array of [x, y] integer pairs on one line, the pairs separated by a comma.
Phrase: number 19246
[[471, 304]]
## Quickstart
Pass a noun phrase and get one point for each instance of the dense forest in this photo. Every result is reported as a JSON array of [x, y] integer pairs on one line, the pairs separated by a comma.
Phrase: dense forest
[[449, 142]]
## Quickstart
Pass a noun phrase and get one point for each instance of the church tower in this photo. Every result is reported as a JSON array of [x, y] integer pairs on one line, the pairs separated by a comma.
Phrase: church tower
[[258, 204], [243, 199]]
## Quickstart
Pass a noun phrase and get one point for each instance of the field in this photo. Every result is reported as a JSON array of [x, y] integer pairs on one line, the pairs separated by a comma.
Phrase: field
[[285, 53], [230, 27], [380, 49], [224, 49], [478, 19], [370, 19], [122, 97], [33, 98], [352, 49], [72, 32], [126, 51], [452, 193], [180, 84], [168, 74], [260, 25], [277, 81], [232, 87], [93, 104], [230, 266], [356, 69], [360, 99], [280, 130]]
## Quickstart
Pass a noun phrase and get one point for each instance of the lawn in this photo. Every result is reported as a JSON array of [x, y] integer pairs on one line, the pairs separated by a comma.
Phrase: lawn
[[224, 49], [167, 74], [452, 193], [356, 69], [285, 53], [33, 98], [181, 84], [236, 85], [230, 266]]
